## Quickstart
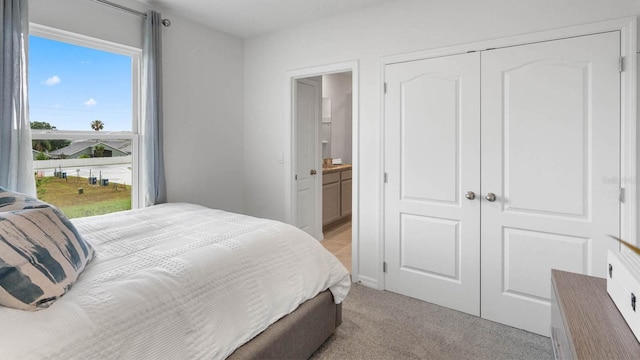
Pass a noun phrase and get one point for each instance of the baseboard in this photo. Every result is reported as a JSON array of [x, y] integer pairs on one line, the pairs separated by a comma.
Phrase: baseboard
[[368, 282]]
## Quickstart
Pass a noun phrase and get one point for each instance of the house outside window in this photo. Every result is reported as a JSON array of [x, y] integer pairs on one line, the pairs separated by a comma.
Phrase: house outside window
[[84, 111]]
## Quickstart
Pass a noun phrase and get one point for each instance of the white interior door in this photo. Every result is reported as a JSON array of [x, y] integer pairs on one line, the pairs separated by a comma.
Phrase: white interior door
[[307, 158], [432, 159], [550, 154]]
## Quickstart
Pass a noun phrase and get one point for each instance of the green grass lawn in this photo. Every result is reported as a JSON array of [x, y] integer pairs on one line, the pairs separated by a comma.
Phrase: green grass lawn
[[95, 200]]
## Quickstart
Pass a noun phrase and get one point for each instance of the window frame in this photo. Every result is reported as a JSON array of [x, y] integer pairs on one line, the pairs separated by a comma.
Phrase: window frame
[[136, 93]]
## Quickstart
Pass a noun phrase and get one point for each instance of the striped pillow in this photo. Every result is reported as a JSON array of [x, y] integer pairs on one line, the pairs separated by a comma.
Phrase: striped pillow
[[41, 253], [16, 201]]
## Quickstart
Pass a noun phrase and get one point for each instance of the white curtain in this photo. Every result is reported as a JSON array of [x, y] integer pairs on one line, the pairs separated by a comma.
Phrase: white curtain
[[154, 188], [16, 156]]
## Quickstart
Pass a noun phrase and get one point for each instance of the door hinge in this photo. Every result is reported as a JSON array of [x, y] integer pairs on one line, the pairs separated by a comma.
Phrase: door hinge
[[385, 88], [386, 179], [296, 176], [621, 64], [384, 267], [621, 195]]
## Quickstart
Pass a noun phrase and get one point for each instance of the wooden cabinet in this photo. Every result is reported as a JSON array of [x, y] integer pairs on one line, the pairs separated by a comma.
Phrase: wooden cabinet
[[336, 195], [330, 203], [345, 198], [345, 193], [585, 323]]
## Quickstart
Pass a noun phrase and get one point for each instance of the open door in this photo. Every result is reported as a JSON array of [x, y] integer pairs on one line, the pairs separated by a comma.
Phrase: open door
[[308, 169]]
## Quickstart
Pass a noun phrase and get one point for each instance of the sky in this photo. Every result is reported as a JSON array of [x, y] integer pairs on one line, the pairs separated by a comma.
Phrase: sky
[[70, 86]]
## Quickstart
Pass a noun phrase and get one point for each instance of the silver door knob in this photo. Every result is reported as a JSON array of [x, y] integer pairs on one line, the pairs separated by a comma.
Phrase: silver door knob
[[490, 197], [313, 172], [470, 195]]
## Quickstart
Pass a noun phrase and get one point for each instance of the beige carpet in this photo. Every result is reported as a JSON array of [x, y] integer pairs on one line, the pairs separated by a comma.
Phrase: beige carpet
[[383, 325]]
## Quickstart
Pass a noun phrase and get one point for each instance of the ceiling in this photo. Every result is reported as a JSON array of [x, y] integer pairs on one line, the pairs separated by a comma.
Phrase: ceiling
[[247, 18]]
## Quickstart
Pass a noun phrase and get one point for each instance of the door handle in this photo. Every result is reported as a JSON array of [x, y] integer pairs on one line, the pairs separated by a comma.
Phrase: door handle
[[470, 195], [313, 172], [490, 197]]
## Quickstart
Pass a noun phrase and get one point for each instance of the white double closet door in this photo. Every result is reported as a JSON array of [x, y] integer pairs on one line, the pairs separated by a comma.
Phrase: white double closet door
[[501, 166]]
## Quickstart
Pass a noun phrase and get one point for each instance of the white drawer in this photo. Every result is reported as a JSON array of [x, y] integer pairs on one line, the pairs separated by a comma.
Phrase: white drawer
[[623, 286]]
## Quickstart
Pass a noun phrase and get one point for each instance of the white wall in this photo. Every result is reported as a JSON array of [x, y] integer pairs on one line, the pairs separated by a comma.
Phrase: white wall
[[203, 84], [367, 36], [337, 87], [203, 91], [88, 18]]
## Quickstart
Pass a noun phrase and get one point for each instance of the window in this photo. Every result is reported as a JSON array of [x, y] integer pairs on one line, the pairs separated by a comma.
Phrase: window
[[84, 113]]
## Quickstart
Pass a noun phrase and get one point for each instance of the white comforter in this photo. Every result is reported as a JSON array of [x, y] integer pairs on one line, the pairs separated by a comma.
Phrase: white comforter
[[175, 281]]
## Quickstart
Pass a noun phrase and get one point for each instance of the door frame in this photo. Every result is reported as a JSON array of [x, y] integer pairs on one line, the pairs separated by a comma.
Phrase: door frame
[[290, 146], [629, 136]]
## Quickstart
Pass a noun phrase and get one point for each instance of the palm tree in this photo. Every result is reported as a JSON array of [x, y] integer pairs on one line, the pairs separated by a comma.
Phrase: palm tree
[[97, 125]]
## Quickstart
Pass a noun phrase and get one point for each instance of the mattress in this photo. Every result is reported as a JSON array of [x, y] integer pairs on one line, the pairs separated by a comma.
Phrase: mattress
[[175, 281]]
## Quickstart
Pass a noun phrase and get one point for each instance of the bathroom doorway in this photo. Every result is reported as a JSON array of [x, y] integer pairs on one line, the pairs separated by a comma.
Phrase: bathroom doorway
[[335, 136], [336, 158]]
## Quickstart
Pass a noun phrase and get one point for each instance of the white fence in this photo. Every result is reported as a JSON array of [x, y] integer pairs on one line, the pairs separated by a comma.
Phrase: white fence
[[80, 163], [118, 169]]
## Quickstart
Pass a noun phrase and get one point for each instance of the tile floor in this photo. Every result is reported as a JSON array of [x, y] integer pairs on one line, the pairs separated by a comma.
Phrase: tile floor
[[337, 240]]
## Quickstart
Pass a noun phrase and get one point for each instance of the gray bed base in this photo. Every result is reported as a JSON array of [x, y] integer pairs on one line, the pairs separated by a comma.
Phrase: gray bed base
[[297, 335]]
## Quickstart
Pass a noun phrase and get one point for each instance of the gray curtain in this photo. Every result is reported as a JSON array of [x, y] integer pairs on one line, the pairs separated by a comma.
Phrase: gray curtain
[[154, 188], [16, 157]]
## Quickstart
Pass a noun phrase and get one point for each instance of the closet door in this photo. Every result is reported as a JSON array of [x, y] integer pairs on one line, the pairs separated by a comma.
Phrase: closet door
[[432, 159], [550, 155]]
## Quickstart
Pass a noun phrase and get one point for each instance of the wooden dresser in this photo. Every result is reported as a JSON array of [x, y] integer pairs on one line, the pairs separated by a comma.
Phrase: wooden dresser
[[585, 323]]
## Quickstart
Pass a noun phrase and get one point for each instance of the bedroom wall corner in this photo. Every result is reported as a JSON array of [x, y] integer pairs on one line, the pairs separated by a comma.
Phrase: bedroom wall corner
[[203, 93]]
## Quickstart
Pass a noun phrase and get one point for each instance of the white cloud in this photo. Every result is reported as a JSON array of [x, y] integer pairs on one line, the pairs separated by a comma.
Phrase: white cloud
[[55, 79], [91, 102]]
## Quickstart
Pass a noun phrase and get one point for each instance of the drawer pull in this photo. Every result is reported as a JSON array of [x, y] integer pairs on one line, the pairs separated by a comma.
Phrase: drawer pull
[[633, 301]]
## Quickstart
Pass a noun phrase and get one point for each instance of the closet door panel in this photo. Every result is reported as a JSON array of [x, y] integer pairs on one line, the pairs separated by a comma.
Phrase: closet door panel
[[550, 139], [429, 125], [432, 147], [546, 139]]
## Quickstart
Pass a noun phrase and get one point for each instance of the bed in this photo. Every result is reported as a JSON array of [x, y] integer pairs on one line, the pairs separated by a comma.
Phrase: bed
[[181, 281]]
